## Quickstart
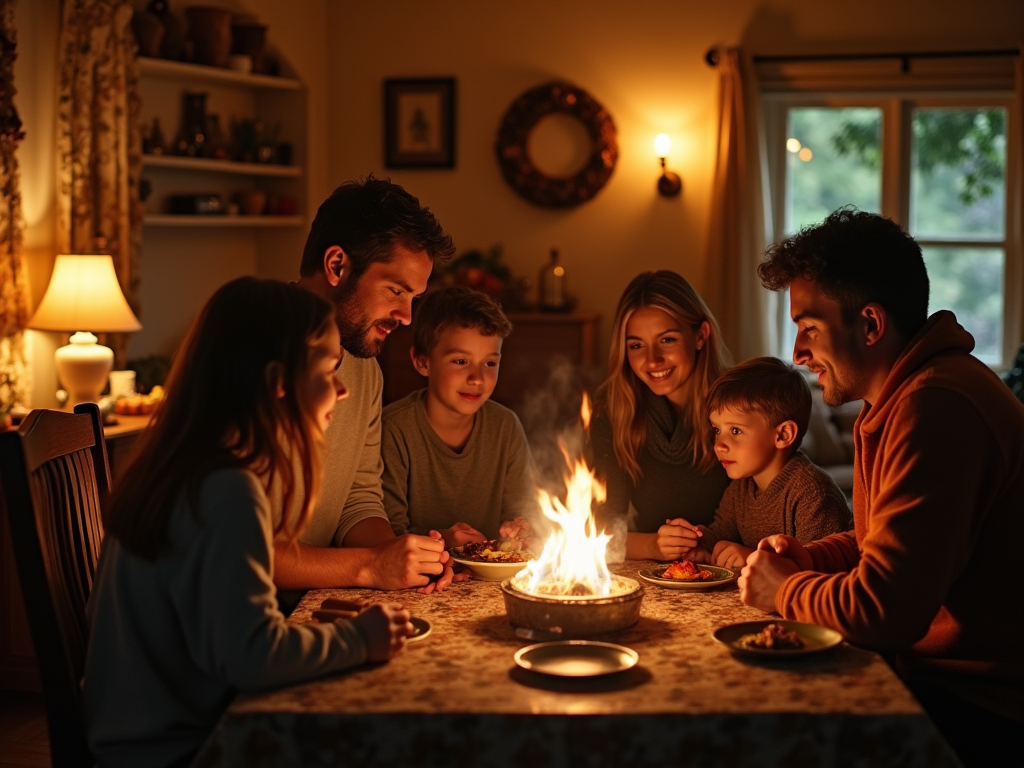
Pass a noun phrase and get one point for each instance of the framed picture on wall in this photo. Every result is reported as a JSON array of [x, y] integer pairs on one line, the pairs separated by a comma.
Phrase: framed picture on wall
[[419, 123]]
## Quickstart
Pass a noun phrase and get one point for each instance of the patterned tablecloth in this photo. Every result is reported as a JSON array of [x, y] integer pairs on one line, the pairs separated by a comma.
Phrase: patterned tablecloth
[[456, 698]]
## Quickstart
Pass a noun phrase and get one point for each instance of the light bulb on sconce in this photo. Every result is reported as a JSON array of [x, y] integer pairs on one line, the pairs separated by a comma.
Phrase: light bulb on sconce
[[669, 184]]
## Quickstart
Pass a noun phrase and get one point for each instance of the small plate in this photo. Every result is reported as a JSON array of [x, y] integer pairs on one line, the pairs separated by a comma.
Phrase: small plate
[[491, 571], [576, 658], [816, 639], [722, 576], [422, 627]]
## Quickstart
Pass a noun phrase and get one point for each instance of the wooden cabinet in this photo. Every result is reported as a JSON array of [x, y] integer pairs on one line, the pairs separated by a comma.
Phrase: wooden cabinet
[[545, 354], [18, 669]]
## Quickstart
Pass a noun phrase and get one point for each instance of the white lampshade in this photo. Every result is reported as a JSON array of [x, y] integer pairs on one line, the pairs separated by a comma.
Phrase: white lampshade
[[84, 295]]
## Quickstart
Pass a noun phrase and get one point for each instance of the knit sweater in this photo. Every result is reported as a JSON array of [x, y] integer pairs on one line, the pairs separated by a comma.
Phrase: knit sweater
[[802, 501], [931, 571], [428, 485], [173, 640], [671, 485]]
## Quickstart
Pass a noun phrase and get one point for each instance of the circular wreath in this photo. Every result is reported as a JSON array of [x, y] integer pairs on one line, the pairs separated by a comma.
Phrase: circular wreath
[[517, 166]]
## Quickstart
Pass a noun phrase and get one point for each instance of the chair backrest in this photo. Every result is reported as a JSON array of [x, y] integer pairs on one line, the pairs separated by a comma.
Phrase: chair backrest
[[54, 473]]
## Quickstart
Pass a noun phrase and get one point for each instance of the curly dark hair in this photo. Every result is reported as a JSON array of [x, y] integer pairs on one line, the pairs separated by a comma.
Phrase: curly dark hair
[[856, 258], [368, 219], [456, 306]]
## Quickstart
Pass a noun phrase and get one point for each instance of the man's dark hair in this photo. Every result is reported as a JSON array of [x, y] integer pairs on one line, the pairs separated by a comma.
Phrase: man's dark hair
[[456, 306], [368, 219], [768, 387], [856, 258]]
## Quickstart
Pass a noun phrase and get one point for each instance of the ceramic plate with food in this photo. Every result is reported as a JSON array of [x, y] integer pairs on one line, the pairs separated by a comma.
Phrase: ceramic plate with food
[[576, 658], [778, 639], [421, 628], [685, 574], [494, 560]]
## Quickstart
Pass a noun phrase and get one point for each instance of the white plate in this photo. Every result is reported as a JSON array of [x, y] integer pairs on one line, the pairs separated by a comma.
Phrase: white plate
[[491, 571], [576, 658]]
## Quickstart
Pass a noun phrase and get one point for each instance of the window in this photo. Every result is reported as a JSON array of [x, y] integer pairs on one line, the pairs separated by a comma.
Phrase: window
[[936, 163]]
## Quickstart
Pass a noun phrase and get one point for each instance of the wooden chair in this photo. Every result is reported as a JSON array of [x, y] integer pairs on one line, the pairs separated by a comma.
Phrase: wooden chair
[[54, 473]]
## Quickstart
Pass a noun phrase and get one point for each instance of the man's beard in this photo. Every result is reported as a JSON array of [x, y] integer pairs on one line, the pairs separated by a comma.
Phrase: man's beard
[[358, 332]]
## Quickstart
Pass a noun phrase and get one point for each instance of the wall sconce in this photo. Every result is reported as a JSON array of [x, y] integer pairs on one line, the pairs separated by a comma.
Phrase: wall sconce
[[669, 183], [84, 293]]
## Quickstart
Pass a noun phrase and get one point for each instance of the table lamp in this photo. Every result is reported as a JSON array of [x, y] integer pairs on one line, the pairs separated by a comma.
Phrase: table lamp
[[84, 293]]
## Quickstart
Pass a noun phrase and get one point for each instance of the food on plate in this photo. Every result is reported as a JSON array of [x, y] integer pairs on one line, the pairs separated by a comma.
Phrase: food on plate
[[687, 570], [133, 405], [493, 551], [774, 637]]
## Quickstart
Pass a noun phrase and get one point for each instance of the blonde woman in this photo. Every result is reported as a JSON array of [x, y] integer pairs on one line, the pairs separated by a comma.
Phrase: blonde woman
[[650, 437]]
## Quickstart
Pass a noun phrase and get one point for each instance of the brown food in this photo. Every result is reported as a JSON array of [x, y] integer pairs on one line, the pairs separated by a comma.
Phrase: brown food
[[773, 637], [493, 551], [686, 570]]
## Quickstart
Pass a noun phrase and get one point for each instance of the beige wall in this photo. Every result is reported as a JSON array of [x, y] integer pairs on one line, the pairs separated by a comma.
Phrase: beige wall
[[644, 61]]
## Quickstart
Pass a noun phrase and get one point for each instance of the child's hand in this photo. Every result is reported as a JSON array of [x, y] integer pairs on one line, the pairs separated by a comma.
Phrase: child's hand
[[461, 534], [729, 554], [676, 539], [384, 627], [514, 529], [700, 555]]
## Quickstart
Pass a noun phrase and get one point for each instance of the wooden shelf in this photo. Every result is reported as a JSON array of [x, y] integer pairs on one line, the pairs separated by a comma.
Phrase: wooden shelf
[[219, 166], [181, 220], [180, 69]]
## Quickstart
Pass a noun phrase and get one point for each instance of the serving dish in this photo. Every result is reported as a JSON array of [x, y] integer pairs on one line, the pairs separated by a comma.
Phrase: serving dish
[[722, 576], [816, 638], [490, 571], [576, 658]]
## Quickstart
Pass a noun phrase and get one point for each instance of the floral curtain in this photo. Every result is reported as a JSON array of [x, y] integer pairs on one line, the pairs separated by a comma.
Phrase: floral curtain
[[13, 273], [99, 142], [738, 214]]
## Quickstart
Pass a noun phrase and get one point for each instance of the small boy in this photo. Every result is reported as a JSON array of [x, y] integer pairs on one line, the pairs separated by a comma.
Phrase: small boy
[[759, 412], [449, 453]]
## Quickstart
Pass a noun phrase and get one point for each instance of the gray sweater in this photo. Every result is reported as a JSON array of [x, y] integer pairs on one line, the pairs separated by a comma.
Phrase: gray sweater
[[173, 640], [802, 501], [428, 485]]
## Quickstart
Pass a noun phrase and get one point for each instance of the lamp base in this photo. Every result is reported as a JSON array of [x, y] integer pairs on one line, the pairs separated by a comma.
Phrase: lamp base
[[83, 367]]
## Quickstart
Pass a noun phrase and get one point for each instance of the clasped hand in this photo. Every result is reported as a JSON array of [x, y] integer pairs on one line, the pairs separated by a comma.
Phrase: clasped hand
[[676, 539], [775, 560]]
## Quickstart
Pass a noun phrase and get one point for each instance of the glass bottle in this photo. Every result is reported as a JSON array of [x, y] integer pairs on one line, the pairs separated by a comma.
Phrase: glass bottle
[[551, 285]]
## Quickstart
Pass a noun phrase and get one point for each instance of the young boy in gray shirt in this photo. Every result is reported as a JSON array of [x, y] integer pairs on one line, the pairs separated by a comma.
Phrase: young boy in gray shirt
[[454, 461]]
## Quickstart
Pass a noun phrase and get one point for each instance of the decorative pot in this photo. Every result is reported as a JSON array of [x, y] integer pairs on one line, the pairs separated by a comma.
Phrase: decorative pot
[[249, 40], [209, 31], [252, 202], [149, 33], [193, 138]]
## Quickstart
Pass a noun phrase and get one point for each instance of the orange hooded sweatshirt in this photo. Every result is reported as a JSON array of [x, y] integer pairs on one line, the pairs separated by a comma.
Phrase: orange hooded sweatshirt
[[931, 573]]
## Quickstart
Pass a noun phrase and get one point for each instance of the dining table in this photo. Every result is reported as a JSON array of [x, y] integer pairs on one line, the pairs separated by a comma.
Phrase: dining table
[[456, 697]]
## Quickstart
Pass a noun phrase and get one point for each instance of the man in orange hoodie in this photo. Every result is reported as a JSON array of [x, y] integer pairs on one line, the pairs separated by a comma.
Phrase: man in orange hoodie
[[930, 574]]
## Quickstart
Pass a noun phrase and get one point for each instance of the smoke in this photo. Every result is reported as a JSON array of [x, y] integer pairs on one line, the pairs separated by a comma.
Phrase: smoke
[[551, 420]]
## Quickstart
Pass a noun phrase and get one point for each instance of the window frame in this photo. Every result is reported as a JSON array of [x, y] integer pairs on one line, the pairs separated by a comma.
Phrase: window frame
[[897, 110]]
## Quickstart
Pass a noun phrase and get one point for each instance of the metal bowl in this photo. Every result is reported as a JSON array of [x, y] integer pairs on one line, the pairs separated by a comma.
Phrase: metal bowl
[[569, 617]]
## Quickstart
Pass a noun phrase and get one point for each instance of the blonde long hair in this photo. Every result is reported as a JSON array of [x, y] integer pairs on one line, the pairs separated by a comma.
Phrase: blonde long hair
[[220, 411], [622, 392]]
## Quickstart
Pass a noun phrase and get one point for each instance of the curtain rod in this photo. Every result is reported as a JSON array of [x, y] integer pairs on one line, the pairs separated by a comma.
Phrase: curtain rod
[[711, 57]]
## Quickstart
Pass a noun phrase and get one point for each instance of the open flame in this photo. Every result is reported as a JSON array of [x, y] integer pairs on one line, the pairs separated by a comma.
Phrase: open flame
[[572, 562]]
